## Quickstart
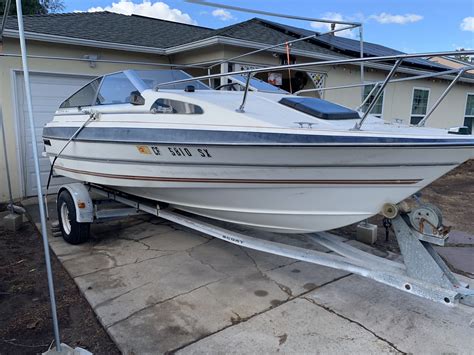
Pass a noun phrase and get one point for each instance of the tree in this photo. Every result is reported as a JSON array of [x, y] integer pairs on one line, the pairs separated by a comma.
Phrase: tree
[[53, 6], [464, 57], [34, 7]]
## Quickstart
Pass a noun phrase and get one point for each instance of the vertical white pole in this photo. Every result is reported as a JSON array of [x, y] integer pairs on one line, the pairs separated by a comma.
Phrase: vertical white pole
[[37, 171], [224, 69], [362, 78]]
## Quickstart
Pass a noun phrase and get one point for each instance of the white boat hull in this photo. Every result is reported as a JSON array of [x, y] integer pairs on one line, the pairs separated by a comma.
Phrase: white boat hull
[[282, 189]]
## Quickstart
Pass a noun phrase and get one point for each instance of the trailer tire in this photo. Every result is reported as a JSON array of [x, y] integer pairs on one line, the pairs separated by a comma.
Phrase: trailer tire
[[73, 232]]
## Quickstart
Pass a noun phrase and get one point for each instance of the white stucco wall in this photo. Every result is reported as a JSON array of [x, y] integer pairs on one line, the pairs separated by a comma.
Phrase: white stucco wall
[[398, 96]]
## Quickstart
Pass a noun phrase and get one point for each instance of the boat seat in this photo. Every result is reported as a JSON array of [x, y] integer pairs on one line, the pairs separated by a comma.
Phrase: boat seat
[[320, 108]]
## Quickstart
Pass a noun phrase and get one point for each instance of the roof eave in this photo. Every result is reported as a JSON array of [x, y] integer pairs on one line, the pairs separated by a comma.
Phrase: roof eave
[[83, 42], [222, 40], [215, 40]]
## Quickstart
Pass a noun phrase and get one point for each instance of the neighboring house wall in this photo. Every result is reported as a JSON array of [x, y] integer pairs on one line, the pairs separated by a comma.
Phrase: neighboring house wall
[[397, 100], [451, 63], [10, 65]]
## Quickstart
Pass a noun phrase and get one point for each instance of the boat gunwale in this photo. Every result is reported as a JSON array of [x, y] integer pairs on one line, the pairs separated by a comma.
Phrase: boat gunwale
[[131, 135]]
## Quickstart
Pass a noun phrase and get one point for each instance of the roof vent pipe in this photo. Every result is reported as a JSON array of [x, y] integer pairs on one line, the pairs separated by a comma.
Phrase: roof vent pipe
[[333, 27]]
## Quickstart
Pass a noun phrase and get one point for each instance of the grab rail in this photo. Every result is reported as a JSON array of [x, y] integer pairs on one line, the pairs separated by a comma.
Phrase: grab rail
[[379, 92], [409, 78], [443, 95]]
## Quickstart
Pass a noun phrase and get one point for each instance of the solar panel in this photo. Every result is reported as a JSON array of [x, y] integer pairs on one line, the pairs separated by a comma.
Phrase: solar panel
[[347, 44]]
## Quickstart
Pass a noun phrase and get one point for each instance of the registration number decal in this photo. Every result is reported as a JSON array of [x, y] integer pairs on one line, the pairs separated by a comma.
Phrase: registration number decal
[[176, 151]]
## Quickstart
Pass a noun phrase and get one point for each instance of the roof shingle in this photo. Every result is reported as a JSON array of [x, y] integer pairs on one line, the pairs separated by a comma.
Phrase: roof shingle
[[161, 34], [112, 27]]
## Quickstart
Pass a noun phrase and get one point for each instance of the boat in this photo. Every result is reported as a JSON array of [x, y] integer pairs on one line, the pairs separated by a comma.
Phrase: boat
[[260, 158]]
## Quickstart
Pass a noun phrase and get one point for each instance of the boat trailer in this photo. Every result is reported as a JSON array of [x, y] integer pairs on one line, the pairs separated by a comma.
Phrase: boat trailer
[[422, 272]]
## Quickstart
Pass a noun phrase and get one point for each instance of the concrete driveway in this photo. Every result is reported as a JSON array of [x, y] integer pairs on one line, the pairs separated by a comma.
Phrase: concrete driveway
[[159, 288]]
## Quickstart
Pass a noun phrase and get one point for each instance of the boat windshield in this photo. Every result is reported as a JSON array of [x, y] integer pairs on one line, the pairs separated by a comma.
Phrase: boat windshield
[[154, 77], [256, 84]]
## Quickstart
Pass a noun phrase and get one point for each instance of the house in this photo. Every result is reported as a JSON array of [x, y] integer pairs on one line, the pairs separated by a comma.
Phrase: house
[[452, 62], [68, 50]]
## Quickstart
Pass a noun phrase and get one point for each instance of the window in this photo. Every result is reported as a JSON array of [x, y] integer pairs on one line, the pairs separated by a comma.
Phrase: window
[[469, 114], [115, 89], [256, 84], [419, 105], [174, 106], [83, 97], [377, 109]]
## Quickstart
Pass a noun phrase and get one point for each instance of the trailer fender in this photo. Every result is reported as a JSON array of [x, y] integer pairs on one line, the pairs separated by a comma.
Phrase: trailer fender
[[82, 201]]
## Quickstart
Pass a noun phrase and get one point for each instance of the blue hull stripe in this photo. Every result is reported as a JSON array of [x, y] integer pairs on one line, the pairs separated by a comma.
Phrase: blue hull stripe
[[208, 137]]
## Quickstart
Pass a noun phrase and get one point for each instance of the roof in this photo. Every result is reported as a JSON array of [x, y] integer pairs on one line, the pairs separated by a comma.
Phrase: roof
[[351, 47], [161, 34], [112, 27], [257, 30]]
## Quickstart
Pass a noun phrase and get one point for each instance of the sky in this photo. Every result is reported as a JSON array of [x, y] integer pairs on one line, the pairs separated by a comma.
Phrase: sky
[[406, 25]]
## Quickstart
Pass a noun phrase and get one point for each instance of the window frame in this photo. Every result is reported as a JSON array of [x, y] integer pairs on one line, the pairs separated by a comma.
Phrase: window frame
[[465, 105], [465, 116], [177, 113], [98, 89], [411, 103], [379, 115]]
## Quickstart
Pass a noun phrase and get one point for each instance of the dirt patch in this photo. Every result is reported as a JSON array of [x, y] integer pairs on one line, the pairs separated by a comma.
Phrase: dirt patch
[[453, 194], [25, 317]]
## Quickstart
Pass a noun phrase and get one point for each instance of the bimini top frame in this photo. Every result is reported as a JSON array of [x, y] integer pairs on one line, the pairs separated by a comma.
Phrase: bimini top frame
[[348, 26], [399, 58]]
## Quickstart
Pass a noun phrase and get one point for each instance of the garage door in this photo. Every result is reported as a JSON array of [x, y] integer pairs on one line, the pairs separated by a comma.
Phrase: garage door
[[48, 91]]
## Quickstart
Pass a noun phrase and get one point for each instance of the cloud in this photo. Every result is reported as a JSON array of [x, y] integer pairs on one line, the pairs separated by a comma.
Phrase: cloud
[[159, 10], [467, 24], [335, 16], [386, 18], [222, 14]]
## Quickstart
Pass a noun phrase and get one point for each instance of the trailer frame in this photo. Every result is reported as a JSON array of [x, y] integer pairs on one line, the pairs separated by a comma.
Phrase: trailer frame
[[422, 271]]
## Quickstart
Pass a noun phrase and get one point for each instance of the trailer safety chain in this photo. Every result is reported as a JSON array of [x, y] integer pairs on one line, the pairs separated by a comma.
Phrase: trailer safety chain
[[387, 223]]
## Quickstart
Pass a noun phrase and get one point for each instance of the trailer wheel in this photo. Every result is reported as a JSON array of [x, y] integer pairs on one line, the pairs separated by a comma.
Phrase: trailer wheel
[[73, 232]]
